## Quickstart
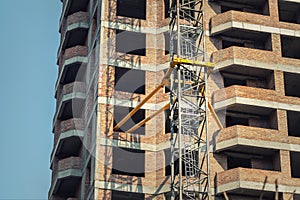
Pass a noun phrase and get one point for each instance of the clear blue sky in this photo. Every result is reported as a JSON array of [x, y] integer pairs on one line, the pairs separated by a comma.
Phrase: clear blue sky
[[29, 41]]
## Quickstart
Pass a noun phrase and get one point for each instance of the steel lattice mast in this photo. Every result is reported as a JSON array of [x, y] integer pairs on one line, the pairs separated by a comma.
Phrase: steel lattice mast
[[188, 104]]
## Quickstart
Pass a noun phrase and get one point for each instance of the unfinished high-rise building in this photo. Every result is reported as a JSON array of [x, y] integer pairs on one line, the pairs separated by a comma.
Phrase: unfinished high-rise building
[[118, 111]]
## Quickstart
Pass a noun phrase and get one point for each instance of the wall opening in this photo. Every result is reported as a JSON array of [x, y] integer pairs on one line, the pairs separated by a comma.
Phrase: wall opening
[[234, 162], [290, 47], [129, 80], [166, 8], [120, 195], [120, 112], [271, 161], [293, 119], [249, 77], [292, 84], [260, 119], [130, 162], [130, 42], [248, 39], [289, 11], [132, 8], [295, 164], [256, 7], [168, 157]]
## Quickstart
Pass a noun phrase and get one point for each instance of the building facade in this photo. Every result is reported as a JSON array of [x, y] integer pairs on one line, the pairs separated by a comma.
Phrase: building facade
[[114, 53]]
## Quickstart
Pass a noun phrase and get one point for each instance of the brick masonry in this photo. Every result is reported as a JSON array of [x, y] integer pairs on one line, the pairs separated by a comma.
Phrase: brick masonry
[[97, 118]]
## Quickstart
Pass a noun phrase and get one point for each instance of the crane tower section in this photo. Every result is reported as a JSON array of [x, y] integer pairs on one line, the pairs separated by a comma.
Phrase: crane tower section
[[188, 103]]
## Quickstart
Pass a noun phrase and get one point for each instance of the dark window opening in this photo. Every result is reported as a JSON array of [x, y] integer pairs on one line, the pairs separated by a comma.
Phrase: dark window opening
[[132, 8], [232, 121], [233, 162], [230, 81], [252, 116], [167, 121], [226, 44], [269, 162], [258, 79], [261, 7], [248, 39], [129, 80], [167, 8], [289, 11], [292, 84], [129, 162], [168, 169], [295, 164], [290, 47], [293, 119], [120, 195], [120, 112], [227, 8], [131, 42]]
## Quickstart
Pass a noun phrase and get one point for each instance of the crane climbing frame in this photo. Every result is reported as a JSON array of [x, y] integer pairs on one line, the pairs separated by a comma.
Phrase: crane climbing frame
[[187, 79]]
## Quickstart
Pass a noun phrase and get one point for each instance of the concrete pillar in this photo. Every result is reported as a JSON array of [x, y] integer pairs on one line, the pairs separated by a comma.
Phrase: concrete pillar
[[285, 163], [276, 44], [279, 82], [273, 9]]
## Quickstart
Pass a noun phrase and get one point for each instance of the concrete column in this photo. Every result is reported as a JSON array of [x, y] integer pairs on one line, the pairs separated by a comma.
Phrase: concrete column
[[282, 123], [276, 44], [279, 82], [285, 163], [273, 9]]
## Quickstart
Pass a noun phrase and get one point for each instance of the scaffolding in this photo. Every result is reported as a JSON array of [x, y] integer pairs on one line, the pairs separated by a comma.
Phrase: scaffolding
[[188, 102]]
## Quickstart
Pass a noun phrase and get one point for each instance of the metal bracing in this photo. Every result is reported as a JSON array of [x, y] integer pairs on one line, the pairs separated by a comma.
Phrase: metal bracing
[[188, 104]]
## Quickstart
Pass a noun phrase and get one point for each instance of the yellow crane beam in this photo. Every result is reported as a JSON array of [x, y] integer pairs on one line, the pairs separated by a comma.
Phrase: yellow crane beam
[[141, 123]]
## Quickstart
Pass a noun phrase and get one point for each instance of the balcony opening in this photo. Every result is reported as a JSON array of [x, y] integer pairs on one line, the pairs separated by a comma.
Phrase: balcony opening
[[130, 162], [232, 121], [130, 80], [168, 169], [248, 39], [254, 117], [250, 77], [131, 42], [290, 47], [295, 164], [234, 162], [289, 11], [120, 112], [293, 119], [292, 84], [120, 195], [77, 6], [271, 161], [256, 7], [71, 109], [132, 8]]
